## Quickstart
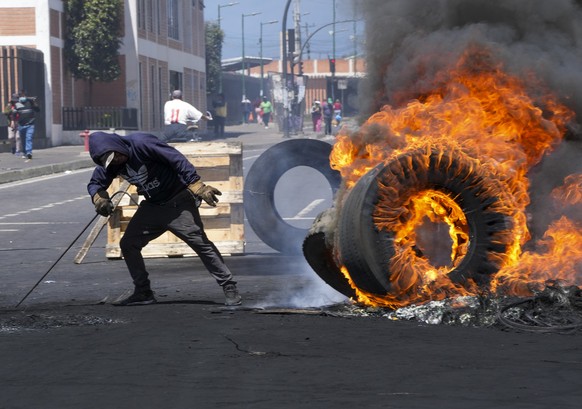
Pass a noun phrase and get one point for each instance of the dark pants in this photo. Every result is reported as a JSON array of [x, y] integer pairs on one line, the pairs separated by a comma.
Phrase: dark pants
[[266, 118], [219, 126], [327, 125], [177, 132], [180, 216]]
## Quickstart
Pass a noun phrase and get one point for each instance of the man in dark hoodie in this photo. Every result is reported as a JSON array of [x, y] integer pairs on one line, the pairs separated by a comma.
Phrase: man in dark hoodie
[[173, 191]]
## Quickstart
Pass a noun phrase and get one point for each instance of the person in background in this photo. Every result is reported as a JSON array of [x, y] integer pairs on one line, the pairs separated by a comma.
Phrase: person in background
[[177, 114], [173, 192], [258, 111], [246, 108], [220, 111], [13, 134], [316, 116], [26, 109], [337, 112], [328, 115], [267, 109]]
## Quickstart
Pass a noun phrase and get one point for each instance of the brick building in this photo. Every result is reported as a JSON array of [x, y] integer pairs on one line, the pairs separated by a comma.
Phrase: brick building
[[163, 48]]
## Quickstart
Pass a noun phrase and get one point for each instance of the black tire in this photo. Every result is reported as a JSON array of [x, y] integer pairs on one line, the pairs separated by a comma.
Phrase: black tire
[[262, 179], [366, 251], [320, 258]]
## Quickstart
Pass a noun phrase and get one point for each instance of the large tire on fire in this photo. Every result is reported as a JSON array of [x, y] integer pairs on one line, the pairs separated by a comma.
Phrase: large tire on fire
[[366, 251], [260, 183], [320, 258]]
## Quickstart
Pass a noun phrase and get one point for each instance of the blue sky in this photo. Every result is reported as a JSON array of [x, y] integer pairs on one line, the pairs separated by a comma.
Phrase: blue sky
[[314, 14]]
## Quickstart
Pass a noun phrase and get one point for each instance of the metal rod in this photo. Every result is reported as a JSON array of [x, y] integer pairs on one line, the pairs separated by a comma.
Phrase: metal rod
[[122, 192], [55, 263]]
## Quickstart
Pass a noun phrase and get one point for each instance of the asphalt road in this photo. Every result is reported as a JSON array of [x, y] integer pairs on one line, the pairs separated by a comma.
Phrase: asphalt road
[[68, 347]]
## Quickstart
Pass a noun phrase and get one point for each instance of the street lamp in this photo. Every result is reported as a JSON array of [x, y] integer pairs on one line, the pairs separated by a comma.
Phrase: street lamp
[[261, 49], [243, 47], [234, 3], [223, 6]]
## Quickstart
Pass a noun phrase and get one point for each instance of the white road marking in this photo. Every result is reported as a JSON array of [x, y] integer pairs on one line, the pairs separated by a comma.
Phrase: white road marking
[[251, 157], [308, 209], [35, 209], [8, 230]]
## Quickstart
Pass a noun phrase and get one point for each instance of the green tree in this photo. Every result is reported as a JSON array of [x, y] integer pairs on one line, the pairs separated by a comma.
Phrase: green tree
[[214, 40], [92, 39]]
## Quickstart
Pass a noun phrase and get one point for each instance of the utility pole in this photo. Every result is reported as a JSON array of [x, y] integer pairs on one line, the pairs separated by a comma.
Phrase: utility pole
[[220, 6], [243, 48], [333, 56], [307, 36], [284, 59], [355, 49], [261, 51]]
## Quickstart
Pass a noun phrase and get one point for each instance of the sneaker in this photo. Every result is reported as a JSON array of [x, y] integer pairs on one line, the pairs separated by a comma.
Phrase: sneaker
[[29, 156], [232, 295], [137, 298]]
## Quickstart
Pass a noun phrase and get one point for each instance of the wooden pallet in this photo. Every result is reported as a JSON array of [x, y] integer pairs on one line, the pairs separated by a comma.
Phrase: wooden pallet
[[219, 164]]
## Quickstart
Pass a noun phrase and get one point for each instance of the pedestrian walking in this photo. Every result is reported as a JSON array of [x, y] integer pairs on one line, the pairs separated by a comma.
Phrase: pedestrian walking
[[258, 111], [220, 112], [246, 108], [26, 109], [328, 115], [267, 109], [12, 117], [173, 192], [337, 112], [316, 116]]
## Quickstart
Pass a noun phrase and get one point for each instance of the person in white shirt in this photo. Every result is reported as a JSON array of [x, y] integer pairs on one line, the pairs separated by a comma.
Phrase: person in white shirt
[[177, 114]]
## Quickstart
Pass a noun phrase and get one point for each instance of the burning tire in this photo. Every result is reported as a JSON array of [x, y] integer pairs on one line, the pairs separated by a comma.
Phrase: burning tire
[[368, 246], [262, 179], [319, 255]]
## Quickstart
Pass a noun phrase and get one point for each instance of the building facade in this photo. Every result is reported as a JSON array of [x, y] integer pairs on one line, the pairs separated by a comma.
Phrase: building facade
[[163, 48]]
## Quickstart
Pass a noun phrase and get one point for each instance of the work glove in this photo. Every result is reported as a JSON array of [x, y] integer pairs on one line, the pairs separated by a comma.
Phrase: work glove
[[205, 192], [102, 203]]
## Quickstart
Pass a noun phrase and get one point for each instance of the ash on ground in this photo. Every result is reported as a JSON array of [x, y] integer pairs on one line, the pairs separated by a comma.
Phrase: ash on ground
[[46, 321], [556, 309]]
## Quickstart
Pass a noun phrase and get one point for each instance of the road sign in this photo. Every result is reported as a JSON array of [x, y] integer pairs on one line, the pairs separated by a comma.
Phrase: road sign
[[342, 84]]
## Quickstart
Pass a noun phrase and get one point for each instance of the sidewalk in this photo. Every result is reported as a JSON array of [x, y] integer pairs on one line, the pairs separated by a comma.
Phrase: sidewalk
[[66, 158]]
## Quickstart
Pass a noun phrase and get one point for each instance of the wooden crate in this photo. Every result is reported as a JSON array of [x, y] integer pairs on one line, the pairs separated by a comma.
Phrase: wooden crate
[[219, 164]]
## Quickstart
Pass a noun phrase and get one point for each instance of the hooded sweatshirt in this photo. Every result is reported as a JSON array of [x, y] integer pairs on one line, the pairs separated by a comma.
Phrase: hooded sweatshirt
[[157, 169]]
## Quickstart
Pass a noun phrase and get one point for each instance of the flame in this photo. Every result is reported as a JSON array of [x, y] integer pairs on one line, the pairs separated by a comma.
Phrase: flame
[[570, 193], [479, 112]]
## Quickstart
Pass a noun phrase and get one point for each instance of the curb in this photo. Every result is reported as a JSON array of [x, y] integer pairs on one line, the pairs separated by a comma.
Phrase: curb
[[22, 174]]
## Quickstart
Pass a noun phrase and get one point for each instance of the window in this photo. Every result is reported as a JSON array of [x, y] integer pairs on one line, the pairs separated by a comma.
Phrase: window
[[175, 80], [141, 93], [141, 14], [159, 17], [150, 17], [174, 19], [153, 88]]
